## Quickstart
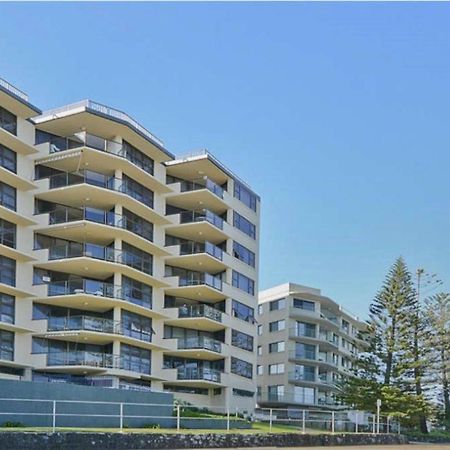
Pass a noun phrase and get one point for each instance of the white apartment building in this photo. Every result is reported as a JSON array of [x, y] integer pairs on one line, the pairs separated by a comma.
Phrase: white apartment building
[[122, 265], [306, 342]]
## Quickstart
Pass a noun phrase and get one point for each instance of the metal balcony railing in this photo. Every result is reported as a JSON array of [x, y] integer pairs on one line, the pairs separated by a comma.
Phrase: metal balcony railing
[[83, 358], [196, 311], [200, 342], [201, 216], [202, 183], [84, 323], [193, 248], [199, 279]]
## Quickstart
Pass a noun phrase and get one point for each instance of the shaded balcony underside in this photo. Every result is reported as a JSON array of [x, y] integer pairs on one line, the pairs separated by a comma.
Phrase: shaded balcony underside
[[203, 324], [197, 230], [198, 261], [201, 292], [197, 199]]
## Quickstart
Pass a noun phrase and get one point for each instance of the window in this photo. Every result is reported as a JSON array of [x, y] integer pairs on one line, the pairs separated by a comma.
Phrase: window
[[136, 326], [305, 351], [277, 304], [6, 308], [259, 350], [135, 359], [278, 325], [137, 225], [7, 196], [345, 326], [136, 258], [243, 312], [259, 370], [276, 347], [305, 329], [243, 393], [8, 121], [138, 158], [242, 340], [243, 254], [186, 389], [136, 292], [6, 345], [8, 159], [260, 330], [304, 373], [276, 369], [304, 304], [245, 195], [7, 271], [7, 233], [276, 392], [260, 309], [241, 367], [241, 223], [304, 395], [137, 191], [243, 283]]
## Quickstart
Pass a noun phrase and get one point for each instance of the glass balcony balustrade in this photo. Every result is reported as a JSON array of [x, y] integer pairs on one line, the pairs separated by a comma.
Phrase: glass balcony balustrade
[[193, 248], [202, 183], [198, 373], [83, 358], [84, 323], [197, 311], [65, 214], [198, 279], [200, 342], [201, 216], [100, 289]]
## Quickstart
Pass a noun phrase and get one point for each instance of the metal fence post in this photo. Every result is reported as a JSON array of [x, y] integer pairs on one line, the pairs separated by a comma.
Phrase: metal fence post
[[228, 420], [398, 426], [178, 418], [332, 422], [303, 421], [356, 423], [270, 420], [54, 416], [373, 424], [387, 424], [121, 416]]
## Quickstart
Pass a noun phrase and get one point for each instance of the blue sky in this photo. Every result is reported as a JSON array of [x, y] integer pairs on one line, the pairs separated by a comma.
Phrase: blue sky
[[336, 114]]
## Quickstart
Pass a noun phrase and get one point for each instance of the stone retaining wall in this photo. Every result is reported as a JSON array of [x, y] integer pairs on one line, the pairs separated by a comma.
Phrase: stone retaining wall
[[10, 440]]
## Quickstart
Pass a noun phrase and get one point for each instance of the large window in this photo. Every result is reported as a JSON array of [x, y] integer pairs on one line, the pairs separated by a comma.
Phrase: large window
[[136, 326], [241, 367], [6, 345], [276, 369], [137, 191], [7, 271], [243, 283], [8, 159], [243, 254], [135, 359], [6, 308], [137, 225], [305, 351], [305, 329], [242, 340], [136, 258], [7, 196], [8, 121], [7, 233], [304, 304], [243, 312], [243, 224], [245, 195], [277, 325], [243, 393], [276, 392], [304, 395], [137, 292], [304, 373], [138, 158]]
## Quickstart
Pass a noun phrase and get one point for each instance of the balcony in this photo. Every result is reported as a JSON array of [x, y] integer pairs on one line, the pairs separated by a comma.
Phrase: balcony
[[191, 255], [199, 374], [98, 296], [191, 224], [103, 191], [204, 191], [201, 317], [299, 377], [194, 285], [200, 311], [200, 343], [83, 358]]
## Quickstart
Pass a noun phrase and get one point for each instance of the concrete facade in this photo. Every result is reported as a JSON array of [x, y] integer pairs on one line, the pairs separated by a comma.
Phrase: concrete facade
[[306, 342], [122, 265]]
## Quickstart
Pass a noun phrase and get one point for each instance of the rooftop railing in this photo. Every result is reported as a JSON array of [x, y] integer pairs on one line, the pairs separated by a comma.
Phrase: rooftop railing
[[11, 88]]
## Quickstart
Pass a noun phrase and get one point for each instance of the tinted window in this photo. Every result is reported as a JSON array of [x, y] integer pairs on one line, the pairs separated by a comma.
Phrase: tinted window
[[241, 223], [243, 283], [243, 312], [245, 195], [8, 159], [243, 254], [7, 233], [7, 196], [8, 121], [7, 271]]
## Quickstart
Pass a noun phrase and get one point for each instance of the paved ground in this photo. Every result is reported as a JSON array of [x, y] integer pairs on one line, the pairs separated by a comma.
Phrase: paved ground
[[384, 447]]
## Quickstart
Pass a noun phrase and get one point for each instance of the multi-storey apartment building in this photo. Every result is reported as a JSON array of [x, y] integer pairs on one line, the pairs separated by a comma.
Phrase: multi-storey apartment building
[[306, 342], [120, 264]]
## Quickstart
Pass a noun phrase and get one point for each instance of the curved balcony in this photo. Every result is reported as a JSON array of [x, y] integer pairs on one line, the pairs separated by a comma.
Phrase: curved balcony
[[202, 191], [103, 191], [199, 374], [191, 255], [99, 296], [200, 343], [102, 225], [194, 285], [101, 154], [192, 224], [84, 360], [201, 317]]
